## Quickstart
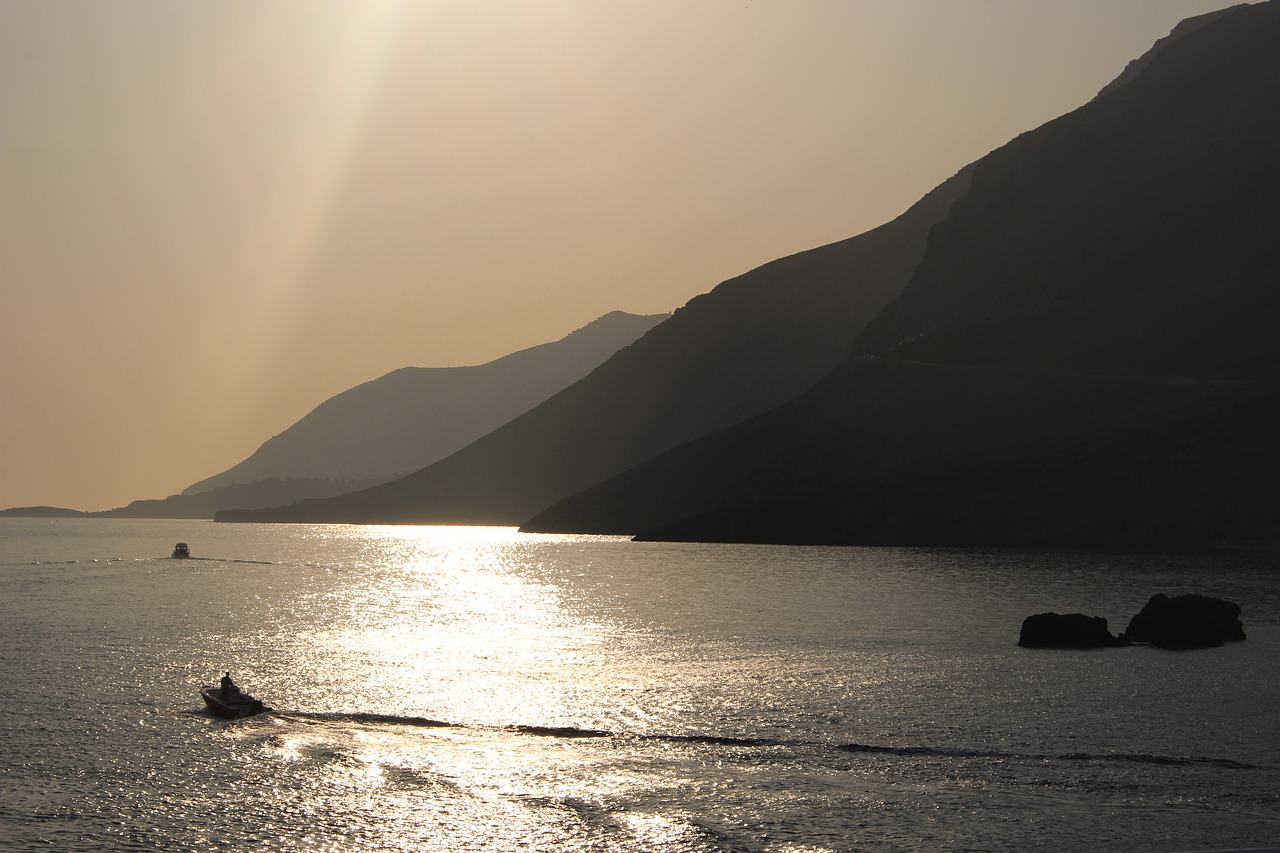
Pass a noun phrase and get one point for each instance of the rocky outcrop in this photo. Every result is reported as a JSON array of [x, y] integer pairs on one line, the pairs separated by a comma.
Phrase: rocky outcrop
[[1186, 622], [1066, 631]]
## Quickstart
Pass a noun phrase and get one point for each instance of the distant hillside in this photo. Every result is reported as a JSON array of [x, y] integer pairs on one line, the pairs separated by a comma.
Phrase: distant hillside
[[1087, 353], [260, 493], [414, 416], [40, 512], [750, 344]]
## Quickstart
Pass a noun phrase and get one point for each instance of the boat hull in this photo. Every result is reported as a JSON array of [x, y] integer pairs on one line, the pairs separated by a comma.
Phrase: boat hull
[[238, 706]]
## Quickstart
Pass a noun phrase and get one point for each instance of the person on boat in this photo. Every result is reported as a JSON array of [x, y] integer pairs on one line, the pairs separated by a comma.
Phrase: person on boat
[[229, 688]]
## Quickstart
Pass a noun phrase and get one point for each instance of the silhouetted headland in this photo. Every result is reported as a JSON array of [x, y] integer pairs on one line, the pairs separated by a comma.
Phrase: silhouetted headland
[[1086, 354], [1070, 343]]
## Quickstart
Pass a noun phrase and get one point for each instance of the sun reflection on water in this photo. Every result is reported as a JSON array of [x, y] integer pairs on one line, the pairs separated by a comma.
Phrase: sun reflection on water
[[446, 674], [452, 620]]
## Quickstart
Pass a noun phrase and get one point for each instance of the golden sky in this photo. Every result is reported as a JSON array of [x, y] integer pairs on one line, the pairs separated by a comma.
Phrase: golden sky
[[214, 216]]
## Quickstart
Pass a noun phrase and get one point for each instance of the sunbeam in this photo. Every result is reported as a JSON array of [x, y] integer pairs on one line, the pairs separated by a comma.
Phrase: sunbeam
[[345, 51]]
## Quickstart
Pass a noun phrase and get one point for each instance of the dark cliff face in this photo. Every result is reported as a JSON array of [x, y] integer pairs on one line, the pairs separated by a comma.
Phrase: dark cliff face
[[749, 345], [1135, 235], [1086, 353]]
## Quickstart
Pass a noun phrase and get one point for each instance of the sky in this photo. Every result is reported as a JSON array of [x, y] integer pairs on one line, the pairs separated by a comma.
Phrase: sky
[[215, 216]]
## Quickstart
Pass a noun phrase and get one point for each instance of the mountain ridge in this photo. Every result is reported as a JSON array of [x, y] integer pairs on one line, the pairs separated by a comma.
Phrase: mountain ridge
[[379, 430], [1063, 344], [410, 417], [1086, 354], [751, 343]]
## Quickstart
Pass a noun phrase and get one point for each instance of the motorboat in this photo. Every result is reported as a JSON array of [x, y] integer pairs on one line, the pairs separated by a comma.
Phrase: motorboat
[[231, 703], [181, 551]]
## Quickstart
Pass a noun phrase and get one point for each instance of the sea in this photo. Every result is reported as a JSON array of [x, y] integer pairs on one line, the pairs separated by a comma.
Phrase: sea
[[476, 688]]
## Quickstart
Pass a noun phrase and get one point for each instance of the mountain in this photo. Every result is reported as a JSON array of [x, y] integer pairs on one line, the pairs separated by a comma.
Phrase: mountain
[[1086, 353], [260, 493], [269, 492], [414, 416], [40, 512], [377, 431], [750, 344]]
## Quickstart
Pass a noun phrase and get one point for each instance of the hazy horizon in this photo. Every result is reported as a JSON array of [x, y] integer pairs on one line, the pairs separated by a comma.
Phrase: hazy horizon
[[213, 217]]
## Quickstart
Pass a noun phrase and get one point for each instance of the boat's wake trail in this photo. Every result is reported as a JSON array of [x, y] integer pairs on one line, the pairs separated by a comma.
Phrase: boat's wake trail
[[367, 718], [926, 752], [219, 560], [370, 718], [566, 732], [946, 752]]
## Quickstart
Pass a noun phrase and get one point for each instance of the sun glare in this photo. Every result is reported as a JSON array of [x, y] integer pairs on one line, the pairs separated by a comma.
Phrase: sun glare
[[340, 57], [426, 620]]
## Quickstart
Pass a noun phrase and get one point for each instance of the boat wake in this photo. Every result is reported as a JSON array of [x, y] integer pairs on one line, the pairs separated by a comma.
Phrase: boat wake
[[98, 560], [91, 562], [367, 718], [219, 560], [946, 752], [565, 732], [921, 751]]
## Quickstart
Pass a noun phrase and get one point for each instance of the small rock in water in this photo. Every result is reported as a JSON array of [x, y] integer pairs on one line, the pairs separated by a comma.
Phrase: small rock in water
[[1186, 622], [1066, 631]]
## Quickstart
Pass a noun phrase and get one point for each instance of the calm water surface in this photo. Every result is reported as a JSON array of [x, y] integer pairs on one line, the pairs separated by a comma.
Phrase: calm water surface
[[479, 689]]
